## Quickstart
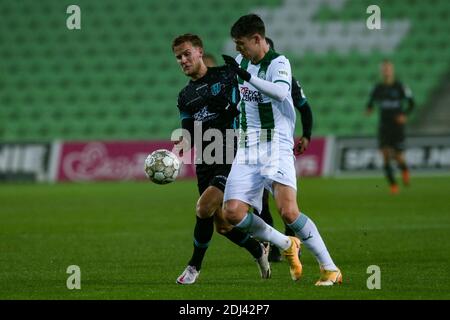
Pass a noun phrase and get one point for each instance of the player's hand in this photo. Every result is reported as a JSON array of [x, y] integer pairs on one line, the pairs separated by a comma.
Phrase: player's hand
[[301, 146], [401, 118], [231, 62]]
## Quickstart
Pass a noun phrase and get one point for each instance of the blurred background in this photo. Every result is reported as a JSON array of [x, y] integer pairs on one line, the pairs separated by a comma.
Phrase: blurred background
[[117, 79]]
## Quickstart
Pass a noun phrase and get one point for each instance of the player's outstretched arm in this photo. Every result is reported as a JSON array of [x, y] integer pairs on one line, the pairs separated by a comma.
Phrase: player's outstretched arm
[[278, 91]]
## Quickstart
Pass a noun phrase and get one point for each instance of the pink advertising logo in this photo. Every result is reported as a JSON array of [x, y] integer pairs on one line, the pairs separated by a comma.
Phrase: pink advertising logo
[[94, 161]]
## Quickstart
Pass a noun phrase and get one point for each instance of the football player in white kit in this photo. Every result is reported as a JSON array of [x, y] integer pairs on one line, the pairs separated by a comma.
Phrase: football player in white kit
[[265, 155]]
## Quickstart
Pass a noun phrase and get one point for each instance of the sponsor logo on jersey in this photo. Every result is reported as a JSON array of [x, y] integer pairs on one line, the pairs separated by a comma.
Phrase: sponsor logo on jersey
[[204, 115], [390, 104], [262, 74], [308, 237], [283, 73], [250, 95]]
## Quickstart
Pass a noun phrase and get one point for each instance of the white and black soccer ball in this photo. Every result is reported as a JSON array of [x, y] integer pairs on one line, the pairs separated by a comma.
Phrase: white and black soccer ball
[[162, 166]]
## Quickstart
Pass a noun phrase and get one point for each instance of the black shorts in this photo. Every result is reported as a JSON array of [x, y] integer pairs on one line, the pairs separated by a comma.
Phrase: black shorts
[[392, 137], [212, 175]]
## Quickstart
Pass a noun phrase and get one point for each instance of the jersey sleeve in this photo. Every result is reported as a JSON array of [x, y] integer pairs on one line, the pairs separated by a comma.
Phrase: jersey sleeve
[[302, 105], [186, 119], [277, 83], [232, 87], [184, 113], [280, 71], [231, 93], [298, 96]]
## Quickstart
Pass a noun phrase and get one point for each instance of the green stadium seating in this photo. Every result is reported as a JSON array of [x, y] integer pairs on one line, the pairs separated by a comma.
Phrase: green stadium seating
[[116, 78]]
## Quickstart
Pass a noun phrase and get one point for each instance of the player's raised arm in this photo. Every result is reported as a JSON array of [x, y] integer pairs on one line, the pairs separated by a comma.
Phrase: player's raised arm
[[277, 88]]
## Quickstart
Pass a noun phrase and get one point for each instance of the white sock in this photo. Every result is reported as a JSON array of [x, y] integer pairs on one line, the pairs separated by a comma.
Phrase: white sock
[[262, 231], [307, 231]]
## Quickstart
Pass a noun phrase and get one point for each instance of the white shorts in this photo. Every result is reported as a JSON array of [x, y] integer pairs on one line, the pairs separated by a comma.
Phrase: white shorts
[[253, 170]]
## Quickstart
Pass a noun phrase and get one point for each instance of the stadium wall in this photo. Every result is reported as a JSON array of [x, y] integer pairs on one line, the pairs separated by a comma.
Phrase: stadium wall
[[60, 161], [360, 156]]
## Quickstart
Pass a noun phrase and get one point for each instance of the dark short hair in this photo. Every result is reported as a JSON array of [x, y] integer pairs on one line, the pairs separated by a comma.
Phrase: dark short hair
[[187, 37], [247, 26], [270, 42]]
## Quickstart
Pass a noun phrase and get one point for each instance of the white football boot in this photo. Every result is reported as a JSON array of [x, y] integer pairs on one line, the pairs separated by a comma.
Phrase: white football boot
[[189, 275], [263, 262]]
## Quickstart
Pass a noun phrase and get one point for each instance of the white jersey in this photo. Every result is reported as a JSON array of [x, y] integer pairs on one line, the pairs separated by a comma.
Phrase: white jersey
[[259, 111], [266, 132]]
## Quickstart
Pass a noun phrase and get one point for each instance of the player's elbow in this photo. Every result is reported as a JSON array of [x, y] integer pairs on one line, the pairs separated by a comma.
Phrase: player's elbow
[[281, 94], [280, 98], [204, 209]]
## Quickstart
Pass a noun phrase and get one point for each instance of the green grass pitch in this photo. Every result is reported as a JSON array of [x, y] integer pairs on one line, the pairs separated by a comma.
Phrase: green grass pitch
[[131, 241]]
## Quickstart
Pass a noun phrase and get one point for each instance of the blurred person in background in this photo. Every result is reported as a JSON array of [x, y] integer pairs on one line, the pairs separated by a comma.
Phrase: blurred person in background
[[389, 96]]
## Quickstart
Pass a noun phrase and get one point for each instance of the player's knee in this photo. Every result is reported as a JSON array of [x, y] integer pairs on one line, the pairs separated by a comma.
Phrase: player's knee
[[204, 210], [289, 213], [231, 213]]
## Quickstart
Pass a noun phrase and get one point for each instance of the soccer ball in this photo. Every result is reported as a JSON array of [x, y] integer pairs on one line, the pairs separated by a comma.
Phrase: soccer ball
[[162, 166]]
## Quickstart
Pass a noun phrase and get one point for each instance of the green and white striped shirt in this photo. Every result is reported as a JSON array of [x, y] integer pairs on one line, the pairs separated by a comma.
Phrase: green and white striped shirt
[[264, 118]]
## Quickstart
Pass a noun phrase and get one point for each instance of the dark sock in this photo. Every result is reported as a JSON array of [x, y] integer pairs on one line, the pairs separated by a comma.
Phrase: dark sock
[[203, 232], [389, 174], [244, 240]]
